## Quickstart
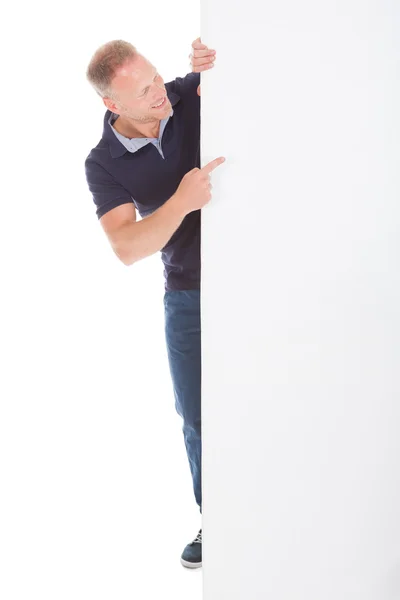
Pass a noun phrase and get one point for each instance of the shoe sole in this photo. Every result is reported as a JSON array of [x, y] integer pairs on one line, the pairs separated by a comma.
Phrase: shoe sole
[[190, 565]]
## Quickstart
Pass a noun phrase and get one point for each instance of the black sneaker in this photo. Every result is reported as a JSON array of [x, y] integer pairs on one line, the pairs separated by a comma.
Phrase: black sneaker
[[191, 556]]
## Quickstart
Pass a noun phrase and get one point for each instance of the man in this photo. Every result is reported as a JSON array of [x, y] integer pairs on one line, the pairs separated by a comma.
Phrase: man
[[148, 161]]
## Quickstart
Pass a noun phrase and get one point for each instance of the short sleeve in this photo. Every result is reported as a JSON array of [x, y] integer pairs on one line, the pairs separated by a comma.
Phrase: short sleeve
[[107, 193], [188, 85]]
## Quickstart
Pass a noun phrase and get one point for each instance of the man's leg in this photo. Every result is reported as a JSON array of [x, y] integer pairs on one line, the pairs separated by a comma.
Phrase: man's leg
[[183, 336]]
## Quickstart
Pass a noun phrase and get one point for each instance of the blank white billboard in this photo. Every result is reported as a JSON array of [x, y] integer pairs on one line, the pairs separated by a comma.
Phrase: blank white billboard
[[301, 301]]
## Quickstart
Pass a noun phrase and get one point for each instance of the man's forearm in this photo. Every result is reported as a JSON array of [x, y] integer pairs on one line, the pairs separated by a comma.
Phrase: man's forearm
[[135, 241]]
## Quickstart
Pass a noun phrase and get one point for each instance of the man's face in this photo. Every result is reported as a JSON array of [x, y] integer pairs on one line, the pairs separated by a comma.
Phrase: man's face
[[139, 88]]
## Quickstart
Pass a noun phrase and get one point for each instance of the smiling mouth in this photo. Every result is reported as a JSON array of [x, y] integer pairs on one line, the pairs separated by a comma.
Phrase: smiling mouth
[[157, 107]]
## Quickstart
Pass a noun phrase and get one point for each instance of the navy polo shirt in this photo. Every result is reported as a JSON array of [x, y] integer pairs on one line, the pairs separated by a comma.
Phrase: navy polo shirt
[[148, 172]]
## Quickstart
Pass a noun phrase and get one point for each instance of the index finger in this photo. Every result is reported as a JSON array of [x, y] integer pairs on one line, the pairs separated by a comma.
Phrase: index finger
[[213, 165]]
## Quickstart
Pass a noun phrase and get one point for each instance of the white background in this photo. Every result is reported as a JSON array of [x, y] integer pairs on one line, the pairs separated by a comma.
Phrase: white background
[[302, 488], [301, 297], [96, 495]]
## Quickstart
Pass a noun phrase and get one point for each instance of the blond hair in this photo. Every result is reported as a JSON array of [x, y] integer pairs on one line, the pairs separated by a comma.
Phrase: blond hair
[[104, 64]]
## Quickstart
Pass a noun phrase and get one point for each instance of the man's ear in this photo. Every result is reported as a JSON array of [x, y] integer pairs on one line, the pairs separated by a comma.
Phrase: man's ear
[[110, 104], [198, 90], [107, 103]]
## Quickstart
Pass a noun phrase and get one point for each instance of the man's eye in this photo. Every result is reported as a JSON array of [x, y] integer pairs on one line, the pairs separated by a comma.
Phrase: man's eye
[[145, 92]]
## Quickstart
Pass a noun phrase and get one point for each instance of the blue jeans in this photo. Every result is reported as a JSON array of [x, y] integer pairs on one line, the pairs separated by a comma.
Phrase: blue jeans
[[183, 337]]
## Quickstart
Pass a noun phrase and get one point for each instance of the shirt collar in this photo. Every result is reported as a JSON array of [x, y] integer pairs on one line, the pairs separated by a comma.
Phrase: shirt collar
[[116, 147]]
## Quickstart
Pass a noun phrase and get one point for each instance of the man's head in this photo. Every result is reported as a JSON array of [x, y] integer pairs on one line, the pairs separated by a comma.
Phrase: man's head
[[128, 83]]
